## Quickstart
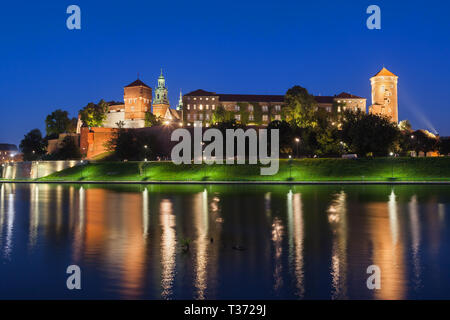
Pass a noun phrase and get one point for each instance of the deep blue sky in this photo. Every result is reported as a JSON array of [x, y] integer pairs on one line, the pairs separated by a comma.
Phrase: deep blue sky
[[223, 46]]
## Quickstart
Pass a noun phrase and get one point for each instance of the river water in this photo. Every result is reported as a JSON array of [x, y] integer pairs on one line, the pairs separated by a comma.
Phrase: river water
[[244, 242]]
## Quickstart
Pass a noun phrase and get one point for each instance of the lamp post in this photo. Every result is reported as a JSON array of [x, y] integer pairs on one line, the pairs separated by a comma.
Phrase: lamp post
[[392, 164], [290, 167], [37, 169], [297, 141]]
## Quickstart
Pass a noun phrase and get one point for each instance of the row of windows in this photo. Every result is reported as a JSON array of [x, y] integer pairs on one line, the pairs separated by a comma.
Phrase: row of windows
[[251, 117], [350, 101], [201, 98], [131, 100], [200, 107], [236, 107]]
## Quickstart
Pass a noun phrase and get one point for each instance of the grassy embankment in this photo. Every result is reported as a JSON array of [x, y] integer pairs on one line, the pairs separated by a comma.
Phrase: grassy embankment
[[379, 169]]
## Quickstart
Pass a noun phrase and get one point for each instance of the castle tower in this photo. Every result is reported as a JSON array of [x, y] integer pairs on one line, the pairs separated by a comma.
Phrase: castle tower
[[138, 98], [161, 99], [384, 94]]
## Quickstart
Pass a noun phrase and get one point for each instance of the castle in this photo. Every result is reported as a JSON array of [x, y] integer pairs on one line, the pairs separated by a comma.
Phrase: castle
[[199, 105], [137, 100]]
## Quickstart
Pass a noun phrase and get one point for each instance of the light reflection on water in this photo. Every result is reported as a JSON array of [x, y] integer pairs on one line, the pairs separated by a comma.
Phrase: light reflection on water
[[244, 242]]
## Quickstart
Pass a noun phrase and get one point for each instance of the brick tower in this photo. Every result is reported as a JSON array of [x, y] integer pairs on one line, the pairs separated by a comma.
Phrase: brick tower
[[138, 100], [384, 94]]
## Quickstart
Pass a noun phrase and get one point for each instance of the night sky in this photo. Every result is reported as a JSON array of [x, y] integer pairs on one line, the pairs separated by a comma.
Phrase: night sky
[[261, 47]]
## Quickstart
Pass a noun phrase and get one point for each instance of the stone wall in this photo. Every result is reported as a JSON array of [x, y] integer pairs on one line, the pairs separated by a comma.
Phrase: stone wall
[[35, 169]]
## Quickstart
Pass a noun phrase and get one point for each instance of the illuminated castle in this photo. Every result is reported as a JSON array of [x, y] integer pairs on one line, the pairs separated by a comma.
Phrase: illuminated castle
[[384, 94], [137, 99]]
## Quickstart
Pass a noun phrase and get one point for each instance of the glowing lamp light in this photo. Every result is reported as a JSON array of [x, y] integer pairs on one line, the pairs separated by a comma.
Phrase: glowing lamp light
[[166, 122], [391, 154], [290, 156], [297, 140]]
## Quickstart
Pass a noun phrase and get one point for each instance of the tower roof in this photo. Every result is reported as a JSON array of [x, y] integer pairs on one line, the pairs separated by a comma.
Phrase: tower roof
[[385, 72], [137, 83], [161, 75]]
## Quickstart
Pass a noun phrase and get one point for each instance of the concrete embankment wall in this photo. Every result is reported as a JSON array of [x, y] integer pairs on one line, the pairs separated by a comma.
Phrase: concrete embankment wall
[[35, 169]]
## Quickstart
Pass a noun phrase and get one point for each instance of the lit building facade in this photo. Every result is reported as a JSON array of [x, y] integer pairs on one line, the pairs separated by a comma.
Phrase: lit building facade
[[384, 95], [199, 105]]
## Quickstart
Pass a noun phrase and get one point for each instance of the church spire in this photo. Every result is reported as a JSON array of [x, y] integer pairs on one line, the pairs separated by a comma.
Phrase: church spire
[[180, 102], [161, 96]]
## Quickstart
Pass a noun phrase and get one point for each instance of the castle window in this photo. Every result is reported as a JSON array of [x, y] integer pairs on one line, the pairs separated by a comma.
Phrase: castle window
[[132, 108], [207, 106], [201, 107], [277, 107], [328, 109], [189, 117], [188, 107], [201, 98], [207, 116], [236, 108], [277, 117], [250, 108], [237, 117], [195, 98], [200, 116], [195, 106], [212, 98], [251, 117], [213, 106], [339, 109], [195, 117], [207, 98], [265, 108], [265, 117]]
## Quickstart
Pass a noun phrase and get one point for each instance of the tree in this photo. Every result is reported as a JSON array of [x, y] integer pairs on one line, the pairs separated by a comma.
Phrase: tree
[[152, 120], [286, 136], [59, 122], [132, 145], [93, 114], [405, 125], [68, 150], [299, 107], [423, 141], [366, 134], [221, 115], [444, 145], [33, 145]]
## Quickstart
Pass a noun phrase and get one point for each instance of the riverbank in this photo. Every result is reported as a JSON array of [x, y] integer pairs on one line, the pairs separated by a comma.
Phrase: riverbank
[[379, 170]]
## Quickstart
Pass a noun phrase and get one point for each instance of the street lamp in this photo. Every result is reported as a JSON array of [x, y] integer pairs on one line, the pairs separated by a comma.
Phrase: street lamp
[[392, 164], [297, 140], [290, 167]]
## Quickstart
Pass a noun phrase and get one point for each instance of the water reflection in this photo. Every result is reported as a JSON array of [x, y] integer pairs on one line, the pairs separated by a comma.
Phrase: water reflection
[[299, 242], [168, 247], [337, 218], [296, 238]]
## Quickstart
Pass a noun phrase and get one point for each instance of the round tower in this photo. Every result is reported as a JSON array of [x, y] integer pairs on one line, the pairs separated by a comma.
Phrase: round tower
[[384, 94]]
